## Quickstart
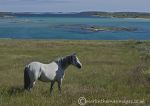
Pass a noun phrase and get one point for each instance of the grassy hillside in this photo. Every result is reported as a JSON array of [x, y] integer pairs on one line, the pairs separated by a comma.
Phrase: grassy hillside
[[112, 70]]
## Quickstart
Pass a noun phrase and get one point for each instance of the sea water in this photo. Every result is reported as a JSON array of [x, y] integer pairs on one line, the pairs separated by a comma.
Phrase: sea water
[[47, 27]]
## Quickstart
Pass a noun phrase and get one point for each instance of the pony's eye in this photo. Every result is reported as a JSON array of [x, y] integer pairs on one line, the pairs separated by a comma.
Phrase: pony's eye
[[74, 59]]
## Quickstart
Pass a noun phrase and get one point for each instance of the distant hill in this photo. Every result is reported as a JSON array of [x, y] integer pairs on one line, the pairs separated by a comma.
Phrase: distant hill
[[118, 14], [5, 14], [73, 14]]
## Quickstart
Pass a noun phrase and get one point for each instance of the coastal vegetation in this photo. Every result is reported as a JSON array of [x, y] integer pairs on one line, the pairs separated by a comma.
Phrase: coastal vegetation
[[112, 70], [118, 14], [4, 14]]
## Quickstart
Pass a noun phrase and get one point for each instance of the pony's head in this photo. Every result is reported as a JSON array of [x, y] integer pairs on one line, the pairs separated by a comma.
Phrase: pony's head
[[75, 61]]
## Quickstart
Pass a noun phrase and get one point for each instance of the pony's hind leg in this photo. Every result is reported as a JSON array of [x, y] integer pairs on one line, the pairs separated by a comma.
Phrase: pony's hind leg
[[32, 83]]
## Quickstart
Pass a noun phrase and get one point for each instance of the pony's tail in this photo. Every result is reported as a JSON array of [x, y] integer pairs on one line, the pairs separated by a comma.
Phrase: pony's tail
[[26, 78]]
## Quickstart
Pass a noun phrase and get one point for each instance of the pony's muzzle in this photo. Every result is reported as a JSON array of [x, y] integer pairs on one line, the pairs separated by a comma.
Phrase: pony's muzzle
[[79, 66]]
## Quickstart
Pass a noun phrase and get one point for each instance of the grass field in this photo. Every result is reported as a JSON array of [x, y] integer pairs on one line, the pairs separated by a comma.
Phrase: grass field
[[112, 70]]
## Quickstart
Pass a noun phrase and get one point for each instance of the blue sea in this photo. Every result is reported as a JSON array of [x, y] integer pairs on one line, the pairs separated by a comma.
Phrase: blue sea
[[69, 27]]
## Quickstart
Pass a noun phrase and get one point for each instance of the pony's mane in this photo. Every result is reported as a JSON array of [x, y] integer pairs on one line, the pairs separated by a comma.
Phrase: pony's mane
[[62, 58]]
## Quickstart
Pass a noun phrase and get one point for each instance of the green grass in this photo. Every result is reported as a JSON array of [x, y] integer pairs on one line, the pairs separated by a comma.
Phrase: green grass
[[112, 70]]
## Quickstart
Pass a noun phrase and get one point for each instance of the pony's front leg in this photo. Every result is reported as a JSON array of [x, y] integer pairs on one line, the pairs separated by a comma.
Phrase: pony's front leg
[[51, 88], [59, 85]]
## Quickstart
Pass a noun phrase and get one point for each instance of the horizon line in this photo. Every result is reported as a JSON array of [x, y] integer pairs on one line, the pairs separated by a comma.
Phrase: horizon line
[[73, 11]]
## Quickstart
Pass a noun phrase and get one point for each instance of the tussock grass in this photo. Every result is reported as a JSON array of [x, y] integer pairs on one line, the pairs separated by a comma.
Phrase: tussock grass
[[113, 70]]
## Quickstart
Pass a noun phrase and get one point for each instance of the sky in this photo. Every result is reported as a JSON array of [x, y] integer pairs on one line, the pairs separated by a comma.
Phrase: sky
[[74, 5]]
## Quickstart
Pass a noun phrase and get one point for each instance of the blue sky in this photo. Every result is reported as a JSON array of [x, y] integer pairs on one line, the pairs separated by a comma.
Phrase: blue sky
[[74, 5]]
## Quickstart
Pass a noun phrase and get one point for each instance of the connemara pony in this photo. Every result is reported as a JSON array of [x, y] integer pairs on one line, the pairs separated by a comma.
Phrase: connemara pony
[[52, 72]]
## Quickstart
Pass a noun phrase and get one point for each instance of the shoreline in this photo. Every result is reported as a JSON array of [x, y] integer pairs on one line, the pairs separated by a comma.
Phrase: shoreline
[[57, 40], [146, 19]]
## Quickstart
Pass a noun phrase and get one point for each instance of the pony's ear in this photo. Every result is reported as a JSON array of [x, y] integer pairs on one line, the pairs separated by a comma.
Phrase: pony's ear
[[73, 54]]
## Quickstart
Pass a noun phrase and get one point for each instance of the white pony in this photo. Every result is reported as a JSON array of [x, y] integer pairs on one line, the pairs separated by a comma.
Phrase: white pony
[[51, 72]]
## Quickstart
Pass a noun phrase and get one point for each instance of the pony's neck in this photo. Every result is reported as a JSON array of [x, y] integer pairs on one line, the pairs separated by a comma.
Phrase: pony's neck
[[64, 62]]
